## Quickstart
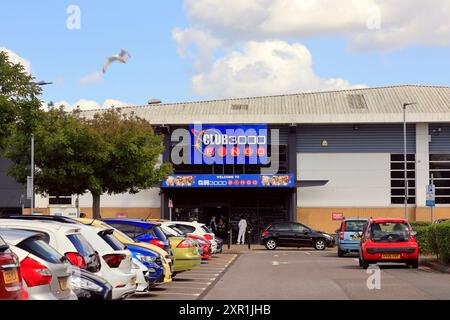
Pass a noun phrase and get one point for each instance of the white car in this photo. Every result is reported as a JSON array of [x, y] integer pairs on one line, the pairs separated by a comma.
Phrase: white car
[[195, 228], [115, 259], [87, 248], [141, 272], [46, 273]]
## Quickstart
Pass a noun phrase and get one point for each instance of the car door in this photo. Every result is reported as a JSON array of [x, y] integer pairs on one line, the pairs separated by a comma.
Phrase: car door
[[303, 235], [284, 234]]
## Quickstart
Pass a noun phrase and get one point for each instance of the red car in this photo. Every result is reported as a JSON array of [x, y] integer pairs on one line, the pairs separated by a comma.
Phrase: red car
[[388, 240], [10, 277], [204, 244]]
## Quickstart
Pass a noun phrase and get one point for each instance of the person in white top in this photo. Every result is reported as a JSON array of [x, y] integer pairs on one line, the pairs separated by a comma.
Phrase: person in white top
[[242, 229]]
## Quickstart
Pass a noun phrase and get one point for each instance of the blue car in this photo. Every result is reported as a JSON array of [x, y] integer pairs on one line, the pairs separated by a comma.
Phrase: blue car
[[152, 260], [349, 235], [142, 231]]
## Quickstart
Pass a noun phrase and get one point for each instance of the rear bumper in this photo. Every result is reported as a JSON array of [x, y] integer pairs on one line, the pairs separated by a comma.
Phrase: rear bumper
[[374, 254], [348, 246], [185, 264]]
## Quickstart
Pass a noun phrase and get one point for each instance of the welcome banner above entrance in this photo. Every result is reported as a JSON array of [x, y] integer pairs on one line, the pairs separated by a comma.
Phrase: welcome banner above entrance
[[230, 181]]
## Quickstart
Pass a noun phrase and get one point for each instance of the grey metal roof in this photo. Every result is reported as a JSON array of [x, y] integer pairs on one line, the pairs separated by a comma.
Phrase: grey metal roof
[[369, 105]]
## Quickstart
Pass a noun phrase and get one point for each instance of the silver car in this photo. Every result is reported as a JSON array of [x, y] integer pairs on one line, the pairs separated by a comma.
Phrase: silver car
[[46, 273]]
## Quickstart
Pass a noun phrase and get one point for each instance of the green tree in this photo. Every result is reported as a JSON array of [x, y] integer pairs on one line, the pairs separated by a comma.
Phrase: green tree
[[109, 153], [19, 103], [131, 151]]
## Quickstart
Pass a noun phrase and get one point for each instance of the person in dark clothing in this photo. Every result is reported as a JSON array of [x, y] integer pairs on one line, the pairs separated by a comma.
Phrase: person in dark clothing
[[213, 224], [222, 230]]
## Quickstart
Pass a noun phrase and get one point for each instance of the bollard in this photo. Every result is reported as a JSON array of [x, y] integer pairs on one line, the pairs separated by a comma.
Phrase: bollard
[[249, 238], [229, 239]]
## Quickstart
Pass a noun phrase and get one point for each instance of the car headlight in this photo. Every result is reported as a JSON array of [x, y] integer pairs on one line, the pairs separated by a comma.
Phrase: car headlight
[[151, 270], [145, 258], [328, 236], [80, 283]]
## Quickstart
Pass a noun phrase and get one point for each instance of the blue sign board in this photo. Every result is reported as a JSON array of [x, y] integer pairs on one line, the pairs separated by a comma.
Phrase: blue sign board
[[229, 144], [230, 181], [431, 196]]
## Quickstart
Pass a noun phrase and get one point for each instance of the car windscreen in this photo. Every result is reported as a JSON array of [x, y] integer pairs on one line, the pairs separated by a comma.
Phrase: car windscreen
[[354, 225], [41, 249], [206, 229], [389, 232], [80, 243], [112, 241], [159, 233]]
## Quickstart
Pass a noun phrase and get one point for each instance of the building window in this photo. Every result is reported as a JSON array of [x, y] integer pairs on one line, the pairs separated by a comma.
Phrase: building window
[[440, 169], [60, 200], [398, 176]]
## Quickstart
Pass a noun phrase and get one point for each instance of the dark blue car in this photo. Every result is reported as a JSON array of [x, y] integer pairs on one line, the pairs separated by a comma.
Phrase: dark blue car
[[143, 231]]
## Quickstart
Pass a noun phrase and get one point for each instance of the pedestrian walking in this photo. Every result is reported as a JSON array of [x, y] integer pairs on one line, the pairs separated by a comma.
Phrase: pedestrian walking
[[213, 224], [242, 228]]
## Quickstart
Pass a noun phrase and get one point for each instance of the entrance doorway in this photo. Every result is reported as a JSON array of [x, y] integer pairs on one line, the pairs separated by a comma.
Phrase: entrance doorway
[[260, 207]]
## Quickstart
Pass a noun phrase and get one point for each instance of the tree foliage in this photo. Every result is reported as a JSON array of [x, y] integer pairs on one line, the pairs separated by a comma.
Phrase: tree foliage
[[19, 103]]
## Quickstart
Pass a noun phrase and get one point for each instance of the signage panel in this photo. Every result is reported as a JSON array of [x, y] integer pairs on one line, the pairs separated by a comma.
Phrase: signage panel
[[230, 181], [229, 144]]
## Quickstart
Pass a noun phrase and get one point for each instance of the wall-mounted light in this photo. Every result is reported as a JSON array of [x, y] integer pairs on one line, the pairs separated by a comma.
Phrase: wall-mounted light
[[356, 127], [324, 143]]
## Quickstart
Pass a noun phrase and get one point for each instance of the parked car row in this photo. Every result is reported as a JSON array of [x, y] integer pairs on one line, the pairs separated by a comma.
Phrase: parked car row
[[375, 240], [54, 258]]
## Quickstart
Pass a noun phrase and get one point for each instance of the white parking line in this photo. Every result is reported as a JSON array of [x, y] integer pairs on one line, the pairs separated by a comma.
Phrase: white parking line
[[308, 253], [194, 278], [178, 294], [203, 273], [176, 287]]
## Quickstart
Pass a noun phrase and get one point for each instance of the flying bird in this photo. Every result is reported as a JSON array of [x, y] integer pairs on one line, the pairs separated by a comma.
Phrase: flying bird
[[122, 57]]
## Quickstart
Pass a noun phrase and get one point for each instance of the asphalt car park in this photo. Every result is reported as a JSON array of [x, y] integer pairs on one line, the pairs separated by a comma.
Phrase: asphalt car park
[[193, 284], [308, 274]]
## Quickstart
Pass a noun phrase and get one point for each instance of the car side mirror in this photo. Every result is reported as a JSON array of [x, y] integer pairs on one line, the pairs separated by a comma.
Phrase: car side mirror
[[306, 232], [414, 233]]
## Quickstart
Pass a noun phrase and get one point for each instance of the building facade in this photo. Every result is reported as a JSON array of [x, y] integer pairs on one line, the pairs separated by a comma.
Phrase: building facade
[[339, 154]]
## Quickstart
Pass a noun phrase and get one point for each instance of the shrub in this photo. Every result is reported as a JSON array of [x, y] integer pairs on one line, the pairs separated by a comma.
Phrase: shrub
[[422, 236], [442, 234]]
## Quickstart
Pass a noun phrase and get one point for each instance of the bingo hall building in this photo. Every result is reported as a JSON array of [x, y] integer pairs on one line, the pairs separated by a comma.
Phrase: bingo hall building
[[336, 154]]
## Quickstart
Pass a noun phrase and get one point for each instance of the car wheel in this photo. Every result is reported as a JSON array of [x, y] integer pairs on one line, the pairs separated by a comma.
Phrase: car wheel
[[360, 262], [341, 253], [364, 264], [174, 274], [320, 244], [271, 244], [414, 263]]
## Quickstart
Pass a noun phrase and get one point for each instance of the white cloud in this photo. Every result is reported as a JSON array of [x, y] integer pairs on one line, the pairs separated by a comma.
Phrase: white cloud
[[15, 59], [92, 78], [402, 23], [260, 68], [85, 104]]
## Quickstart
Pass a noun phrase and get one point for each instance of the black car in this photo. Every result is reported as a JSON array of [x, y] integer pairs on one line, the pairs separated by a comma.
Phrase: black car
[[292, 234], [89, 286]]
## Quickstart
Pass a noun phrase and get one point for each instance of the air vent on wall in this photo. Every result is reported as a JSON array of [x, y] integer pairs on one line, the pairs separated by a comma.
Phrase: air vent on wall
[[239, 107], [356, 101]]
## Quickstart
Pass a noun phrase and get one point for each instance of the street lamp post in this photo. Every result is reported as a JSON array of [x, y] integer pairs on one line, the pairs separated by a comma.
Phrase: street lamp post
[[405, 165], [32, 174]]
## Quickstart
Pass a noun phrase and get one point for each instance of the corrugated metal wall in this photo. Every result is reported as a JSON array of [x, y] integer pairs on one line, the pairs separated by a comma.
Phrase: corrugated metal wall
[[440, 141], [10, 190], [348, 138], [283, 134]]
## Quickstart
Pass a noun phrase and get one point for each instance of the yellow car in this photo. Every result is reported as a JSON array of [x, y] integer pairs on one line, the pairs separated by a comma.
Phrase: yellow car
[[119, 235]]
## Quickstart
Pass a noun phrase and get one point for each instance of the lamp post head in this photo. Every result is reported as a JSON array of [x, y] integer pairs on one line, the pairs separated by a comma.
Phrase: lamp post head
[[409, 104]]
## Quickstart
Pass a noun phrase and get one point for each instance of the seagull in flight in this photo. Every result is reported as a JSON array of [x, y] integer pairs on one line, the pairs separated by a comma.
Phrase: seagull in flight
[[122, 57]]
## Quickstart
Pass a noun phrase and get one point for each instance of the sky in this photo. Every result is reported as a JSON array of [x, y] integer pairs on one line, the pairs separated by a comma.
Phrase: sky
[[187, 50]]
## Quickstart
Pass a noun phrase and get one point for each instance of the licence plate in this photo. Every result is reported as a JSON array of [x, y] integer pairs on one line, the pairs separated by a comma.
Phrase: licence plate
[[10, 276], [64, 283], [390, 256]]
